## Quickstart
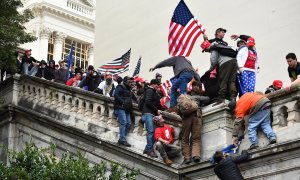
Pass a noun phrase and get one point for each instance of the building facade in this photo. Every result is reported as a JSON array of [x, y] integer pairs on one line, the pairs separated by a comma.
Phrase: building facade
[[58, 24]]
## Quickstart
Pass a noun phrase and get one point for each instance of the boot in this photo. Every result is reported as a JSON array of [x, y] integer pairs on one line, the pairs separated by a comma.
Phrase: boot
[[167, 161]]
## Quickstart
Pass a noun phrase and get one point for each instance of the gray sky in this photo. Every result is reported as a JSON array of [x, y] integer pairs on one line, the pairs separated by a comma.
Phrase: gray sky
[[143, 25]]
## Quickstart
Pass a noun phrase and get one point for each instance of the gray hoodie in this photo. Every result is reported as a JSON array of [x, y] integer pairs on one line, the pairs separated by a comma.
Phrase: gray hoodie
[[216, 58], [180, 64]]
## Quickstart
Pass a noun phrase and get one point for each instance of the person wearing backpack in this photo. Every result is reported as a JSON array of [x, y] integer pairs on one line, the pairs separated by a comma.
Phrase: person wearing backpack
[[191, 128], [151, 106]]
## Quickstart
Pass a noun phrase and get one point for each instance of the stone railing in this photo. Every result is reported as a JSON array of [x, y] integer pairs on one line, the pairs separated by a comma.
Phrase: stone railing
[[84, 9], [94, 114]]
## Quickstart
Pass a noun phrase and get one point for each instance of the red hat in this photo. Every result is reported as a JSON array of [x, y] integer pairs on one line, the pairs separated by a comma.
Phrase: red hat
[[27, 51], [205, 45], [139, 79], [277, 83], [251, 41]]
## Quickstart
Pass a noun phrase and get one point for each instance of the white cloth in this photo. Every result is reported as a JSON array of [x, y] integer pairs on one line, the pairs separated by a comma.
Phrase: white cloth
[[242, 58], [103, 86]]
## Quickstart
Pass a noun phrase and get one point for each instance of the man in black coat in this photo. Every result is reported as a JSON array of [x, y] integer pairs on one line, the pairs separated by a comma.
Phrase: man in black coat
[[43, 71], [123, 107], [150, 109], [226, 168], [92, 79]]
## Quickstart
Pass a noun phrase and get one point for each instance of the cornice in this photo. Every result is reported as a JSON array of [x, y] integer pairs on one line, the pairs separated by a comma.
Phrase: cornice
[[43, 8]]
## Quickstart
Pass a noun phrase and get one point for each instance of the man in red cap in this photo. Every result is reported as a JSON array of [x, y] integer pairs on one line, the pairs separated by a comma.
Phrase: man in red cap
[[277, 84], [294, 68], [247, 63], [29, 64]]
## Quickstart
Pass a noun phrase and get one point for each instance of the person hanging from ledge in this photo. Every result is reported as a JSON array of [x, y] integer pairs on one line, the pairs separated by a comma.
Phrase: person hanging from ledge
[[226, 167], [164, 140], [258, 107]]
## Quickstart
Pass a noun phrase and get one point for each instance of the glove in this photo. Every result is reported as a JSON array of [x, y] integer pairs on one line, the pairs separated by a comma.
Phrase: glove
[[241, 70]]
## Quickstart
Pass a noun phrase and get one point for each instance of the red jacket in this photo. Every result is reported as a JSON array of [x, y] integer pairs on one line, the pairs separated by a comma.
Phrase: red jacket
[[165, 132]]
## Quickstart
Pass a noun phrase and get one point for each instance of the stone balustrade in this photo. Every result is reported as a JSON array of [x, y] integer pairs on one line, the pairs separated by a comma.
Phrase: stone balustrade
[[93, 114], [84, 9]]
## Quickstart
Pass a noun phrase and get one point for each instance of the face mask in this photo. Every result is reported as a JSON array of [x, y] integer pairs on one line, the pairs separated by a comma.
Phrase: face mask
[[108, 80], [43, 66]]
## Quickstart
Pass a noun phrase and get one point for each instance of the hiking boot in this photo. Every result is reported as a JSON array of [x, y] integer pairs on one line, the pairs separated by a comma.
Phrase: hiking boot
[[152, 154], [186, 161], [273, 141], [167, 161], [125, 143], [196, 159], [253, 146]]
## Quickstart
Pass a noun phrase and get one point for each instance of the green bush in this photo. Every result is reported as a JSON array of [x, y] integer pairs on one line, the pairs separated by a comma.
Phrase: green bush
[[42, 163]]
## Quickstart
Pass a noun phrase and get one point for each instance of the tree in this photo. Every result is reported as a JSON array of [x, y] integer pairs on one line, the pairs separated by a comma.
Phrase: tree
[[12, 31], [41, 163]]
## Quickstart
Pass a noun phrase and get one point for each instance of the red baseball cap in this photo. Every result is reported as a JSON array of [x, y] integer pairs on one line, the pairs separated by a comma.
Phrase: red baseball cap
[[277, 83], [251, 41], [139, 79], [27, 51]]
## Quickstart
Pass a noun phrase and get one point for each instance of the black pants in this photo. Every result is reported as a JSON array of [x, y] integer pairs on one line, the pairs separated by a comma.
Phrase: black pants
[[227, 77]]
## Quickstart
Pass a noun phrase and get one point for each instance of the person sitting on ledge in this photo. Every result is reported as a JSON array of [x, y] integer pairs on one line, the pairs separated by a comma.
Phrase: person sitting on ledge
[[258, 106], [164, 140], [226, 168]]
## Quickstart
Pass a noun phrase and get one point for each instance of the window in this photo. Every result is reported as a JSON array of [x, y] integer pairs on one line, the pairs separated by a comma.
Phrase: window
[[79, 55], [50, 47]]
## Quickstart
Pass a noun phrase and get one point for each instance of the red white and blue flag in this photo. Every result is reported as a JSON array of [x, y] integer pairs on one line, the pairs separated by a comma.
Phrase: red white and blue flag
[[183, 31], [117, 66]]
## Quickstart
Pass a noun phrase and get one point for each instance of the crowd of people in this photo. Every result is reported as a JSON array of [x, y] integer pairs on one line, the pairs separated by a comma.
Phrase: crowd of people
[[232, 73]]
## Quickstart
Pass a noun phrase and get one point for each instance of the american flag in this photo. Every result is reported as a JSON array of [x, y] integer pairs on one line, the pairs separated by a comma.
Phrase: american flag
[[137, 68], [183, 31], [117, 66]]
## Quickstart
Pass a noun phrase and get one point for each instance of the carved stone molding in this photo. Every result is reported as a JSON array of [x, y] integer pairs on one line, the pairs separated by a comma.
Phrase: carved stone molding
[[45, 32], [59, 37]]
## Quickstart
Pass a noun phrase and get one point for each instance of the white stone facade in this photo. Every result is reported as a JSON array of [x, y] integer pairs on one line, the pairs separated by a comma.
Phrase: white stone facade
[[61, 19]]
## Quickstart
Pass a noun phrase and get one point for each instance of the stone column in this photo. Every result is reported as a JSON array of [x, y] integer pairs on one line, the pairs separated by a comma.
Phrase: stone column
[[58, 46], [91, 55], [44, 39]]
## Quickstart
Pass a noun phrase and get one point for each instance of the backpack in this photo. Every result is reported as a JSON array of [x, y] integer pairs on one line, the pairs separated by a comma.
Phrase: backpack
[[186, 104]]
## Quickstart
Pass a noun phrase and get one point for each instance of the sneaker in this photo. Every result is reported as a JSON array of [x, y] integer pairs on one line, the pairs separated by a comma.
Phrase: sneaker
[[186, 161], [167, 161], [152, 154], [196, 159], [124, 143], [253, 146], [273, 141]]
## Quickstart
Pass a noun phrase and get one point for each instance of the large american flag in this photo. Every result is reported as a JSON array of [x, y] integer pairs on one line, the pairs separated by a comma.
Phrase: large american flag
[[117, 66], [137, 68], [183, 32]]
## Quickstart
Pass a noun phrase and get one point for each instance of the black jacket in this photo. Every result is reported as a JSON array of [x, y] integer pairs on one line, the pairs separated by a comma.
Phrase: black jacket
[[227, 168], [123, 97], [61, 75], [226, 51], [45, 73], [152, 102], [91, 81]]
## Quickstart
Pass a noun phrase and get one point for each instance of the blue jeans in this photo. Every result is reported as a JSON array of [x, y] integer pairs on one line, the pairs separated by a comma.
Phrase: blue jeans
[[260, 119], [124, 123], [32, 71], [148, 120], [181, 83]]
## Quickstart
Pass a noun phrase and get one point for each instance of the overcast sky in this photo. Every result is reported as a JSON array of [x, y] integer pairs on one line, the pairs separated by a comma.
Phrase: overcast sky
[[143, 26]]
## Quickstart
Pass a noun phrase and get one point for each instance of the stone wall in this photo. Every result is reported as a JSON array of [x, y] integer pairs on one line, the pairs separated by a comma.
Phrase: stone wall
[[75, 119]]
